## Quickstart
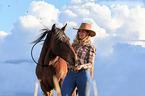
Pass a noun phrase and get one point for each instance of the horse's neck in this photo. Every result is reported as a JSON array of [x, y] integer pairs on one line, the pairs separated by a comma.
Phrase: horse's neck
[[49, 57], [46, 55]]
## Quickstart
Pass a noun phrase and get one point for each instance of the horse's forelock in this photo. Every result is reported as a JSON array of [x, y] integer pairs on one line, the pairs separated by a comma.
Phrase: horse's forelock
[[61, 35], [42, 36]]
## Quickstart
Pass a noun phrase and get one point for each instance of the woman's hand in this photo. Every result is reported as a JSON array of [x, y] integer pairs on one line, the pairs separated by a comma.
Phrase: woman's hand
[[84, 66], [79, 67]]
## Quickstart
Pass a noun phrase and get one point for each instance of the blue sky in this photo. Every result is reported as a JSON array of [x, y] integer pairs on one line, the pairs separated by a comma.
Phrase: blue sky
[[119, 24], [11, 10]]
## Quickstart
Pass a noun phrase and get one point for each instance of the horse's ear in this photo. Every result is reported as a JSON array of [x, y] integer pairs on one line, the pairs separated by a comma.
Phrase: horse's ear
[[53, 27], [64, 27]]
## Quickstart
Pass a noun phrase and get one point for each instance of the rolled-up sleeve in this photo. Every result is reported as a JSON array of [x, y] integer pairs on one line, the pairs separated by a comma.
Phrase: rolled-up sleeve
[[90, 56]]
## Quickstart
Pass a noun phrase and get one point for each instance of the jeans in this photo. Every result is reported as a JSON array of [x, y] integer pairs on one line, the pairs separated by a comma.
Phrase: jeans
[[76, 79]]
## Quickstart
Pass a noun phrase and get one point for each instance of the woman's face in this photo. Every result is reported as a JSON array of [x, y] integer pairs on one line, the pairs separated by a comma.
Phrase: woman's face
[[82, 34]]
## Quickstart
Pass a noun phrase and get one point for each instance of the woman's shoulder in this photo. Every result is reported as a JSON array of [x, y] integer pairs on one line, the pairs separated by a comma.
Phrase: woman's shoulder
[[91, 46]]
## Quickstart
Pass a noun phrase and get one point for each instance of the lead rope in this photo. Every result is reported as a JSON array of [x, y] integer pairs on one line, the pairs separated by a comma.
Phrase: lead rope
[[32, 52], [34, 59]]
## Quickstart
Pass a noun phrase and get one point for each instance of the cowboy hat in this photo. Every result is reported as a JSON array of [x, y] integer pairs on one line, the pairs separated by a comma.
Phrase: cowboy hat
[[87, 27]]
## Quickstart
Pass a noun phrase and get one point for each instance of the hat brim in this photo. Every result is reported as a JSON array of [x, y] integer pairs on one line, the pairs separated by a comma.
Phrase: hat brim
[[91, 32]]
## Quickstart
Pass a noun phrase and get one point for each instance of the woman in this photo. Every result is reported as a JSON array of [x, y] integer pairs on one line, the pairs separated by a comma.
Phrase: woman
[[82, 72]]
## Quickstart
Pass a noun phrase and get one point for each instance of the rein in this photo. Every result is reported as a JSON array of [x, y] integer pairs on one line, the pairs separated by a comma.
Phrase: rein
[[38, 63]]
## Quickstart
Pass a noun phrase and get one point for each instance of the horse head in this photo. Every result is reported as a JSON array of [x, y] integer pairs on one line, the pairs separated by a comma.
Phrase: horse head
[[60, 45], [56, 43]]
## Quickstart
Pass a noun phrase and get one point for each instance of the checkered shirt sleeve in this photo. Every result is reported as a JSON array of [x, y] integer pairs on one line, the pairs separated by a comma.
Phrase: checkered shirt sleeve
[[86, 54]]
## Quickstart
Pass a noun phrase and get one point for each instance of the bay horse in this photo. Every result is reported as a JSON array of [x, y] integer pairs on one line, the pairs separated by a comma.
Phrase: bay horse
[[56, 52]]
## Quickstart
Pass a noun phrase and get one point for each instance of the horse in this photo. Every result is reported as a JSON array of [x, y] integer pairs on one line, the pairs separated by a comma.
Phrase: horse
[[56, 52]]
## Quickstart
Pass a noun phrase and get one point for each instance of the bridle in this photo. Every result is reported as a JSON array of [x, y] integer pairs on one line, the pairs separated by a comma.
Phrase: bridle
[[34, 59], [41, 64]]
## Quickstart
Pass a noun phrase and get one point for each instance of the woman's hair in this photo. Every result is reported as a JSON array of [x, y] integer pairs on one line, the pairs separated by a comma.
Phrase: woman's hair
[[78, 42]]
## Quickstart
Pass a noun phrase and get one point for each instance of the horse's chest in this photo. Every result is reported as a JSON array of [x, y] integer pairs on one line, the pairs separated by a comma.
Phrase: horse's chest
[[43, 72]]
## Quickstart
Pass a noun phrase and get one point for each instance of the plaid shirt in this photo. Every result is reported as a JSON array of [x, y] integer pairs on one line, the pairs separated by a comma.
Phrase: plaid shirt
[[86, 55]]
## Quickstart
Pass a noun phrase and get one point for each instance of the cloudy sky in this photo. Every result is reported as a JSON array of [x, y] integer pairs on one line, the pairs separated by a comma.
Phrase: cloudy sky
[[120, 42]]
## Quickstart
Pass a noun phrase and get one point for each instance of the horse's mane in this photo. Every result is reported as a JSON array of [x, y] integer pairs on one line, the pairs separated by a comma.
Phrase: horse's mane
[[46, 31], [59, 35]]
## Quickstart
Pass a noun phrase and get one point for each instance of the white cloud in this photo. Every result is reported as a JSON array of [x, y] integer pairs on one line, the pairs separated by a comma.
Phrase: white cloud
[[113, 23], [26, 30], [80, 1], [118, 69], [137, 42], [39, 16], [30, 23], [70, 13], [101, 33], [71, 24], [116, 23], [3, 35], [130, 22], [76, 1], [83, 12], [45, 12], [137, 24]]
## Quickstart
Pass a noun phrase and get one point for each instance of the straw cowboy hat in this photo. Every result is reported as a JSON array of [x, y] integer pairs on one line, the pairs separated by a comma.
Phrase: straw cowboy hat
[[86, 26]]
